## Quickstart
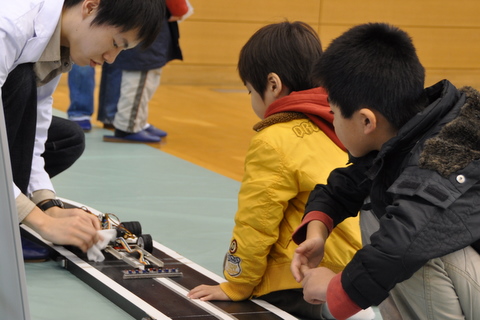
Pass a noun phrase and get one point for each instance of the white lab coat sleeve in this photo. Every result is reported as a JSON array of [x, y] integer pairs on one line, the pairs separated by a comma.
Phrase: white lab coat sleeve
[[12, 43], [39, 179]]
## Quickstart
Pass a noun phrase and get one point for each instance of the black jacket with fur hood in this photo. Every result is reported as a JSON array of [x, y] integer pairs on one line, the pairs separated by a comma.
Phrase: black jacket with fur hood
[[424, 186]]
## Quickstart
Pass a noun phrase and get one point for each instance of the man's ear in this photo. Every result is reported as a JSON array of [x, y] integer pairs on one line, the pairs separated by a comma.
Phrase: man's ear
[[369, 120], [274, 85], [89, 7]]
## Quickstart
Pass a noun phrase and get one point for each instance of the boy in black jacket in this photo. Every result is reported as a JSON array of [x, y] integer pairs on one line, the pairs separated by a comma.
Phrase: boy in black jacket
[[415, 155]]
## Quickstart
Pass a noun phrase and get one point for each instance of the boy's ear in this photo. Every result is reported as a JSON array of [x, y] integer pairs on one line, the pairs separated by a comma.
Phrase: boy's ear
[[369, 120], [274, 84]]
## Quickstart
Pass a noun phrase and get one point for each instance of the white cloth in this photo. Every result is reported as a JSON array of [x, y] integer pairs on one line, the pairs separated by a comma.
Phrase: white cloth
[[95, 253]]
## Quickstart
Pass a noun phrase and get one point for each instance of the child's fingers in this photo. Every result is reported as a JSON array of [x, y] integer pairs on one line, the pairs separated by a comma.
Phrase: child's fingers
[[295, 268]]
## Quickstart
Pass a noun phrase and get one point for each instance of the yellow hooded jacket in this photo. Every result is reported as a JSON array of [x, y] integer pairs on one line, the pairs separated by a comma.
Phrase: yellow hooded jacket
[[285, 160]]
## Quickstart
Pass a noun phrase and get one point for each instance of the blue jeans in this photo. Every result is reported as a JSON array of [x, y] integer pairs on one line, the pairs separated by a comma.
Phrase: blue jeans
[[109, 93], [81, 83]]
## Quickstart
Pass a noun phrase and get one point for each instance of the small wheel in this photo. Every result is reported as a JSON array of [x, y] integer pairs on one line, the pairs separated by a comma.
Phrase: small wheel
[[133, 226], [145, 242]]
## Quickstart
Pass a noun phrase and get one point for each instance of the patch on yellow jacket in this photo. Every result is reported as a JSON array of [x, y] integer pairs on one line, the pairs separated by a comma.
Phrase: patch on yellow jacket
[[233, 246], [305, 128], [232, 265]]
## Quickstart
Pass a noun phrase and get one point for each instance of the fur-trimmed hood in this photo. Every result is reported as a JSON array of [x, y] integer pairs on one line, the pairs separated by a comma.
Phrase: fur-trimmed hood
[[458, 143]]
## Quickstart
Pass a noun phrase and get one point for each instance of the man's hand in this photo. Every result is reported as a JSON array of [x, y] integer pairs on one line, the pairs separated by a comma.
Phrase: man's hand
[[57, 212], [205, 293], [315, 283], [65, 226]]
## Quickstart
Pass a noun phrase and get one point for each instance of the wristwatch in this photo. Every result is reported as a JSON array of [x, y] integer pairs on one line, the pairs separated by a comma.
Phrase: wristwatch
[[47, 204]]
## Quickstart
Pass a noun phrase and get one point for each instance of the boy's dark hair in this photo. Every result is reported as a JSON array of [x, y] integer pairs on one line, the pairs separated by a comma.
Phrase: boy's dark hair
[[288, 49], [373, 65], [144, 15]]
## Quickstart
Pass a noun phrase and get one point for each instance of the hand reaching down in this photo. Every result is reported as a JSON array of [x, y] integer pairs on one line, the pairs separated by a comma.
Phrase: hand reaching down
[[205, 293]]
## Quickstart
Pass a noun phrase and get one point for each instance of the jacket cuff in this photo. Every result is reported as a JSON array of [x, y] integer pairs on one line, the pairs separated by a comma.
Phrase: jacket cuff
[[41, 195], [24, 206], [339, 303], [300, 234], [236, 291]]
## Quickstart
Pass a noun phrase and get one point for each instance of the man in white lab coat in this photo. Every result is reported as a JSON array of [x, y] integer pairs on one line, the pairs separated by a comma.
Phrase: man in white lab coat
[[40, 39]]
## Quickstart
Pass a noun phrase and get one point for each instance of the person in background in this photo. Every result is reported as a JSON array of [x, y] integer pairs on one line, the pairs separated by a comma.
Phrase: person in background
[[294, 148], [81, 86], [415, 168], [144, 70], [128, 85]]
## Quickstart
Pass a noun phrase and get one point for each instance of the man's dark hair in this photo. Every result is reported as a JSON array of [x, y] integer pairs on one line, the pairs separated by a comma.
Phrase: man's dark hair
[[144, 15], [288, 49], [373, 65]]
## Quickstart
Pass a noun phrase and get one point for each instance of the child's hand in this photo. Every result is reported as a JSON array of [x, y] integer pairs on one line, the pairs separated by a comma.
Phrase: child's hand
[[206, 293], [315, 284], [308, 255]]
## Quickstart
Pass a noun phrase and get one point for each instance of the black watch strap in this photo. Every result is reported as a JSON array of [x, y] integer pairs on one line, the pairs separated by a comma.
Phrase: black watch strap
[[44, 206]]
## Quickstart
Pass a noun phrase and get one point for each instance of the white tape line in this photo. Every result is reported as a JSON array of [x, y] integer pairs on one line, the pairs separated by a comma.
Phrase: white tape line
[[188, 262], [145, 307], [279, 312], [212, 309]]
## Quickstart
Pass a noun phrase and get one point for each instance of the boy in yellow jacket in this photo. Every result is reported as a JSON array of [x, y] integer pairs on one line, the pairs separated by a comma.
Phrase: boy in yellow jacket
[[294, 149]]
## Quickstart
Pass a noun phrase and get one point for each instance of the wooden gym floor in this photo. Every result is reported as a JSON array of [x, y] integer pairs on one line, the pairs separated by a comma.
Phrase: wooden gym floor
[[210, 126]]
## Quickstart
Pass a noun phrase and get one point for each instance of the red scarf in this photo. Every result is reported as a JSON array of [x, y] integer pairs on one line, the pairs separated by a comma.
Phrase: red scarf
[[314, 104]]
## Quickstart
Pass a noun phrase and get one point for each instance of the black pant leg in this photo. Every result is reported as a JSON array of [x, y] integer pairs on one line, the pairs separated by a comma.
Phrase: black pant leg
[[292, 302], [19, 97], [65, 144]]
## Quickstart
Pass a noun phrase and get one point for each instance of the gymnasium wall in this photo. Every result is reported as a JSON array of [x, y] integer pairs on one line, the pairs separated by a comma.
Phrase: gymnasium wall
[[446, 34]]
